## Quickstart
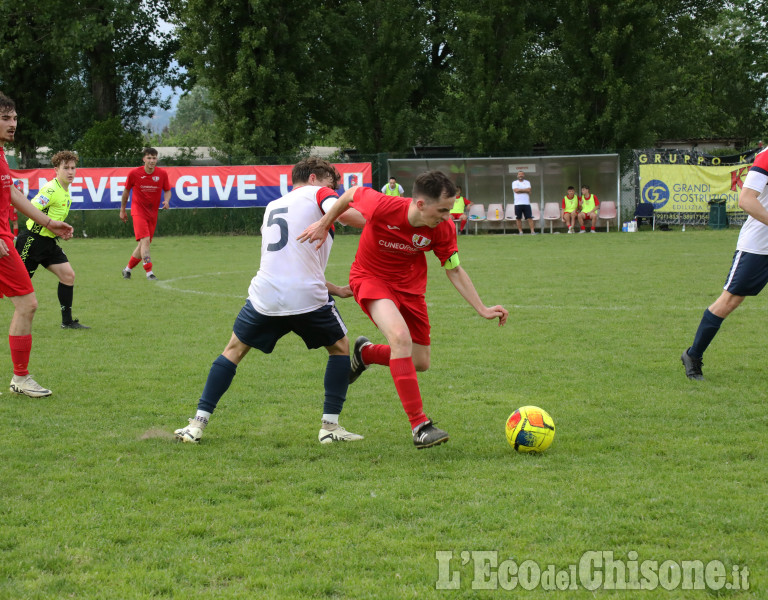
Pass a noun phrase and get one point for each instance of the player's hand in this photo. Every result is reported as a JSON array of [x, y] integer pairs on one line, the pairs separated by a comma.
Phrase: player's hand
[[64, 230], [166, 204], [317, 232], [123, 215], [343, 291], [491, 312], [3, 249]]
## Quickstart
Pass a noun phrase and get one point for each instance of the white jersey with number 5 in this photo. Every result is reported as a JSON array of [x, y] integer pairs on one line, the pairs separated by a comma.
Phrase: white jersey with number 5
[[291, 276]]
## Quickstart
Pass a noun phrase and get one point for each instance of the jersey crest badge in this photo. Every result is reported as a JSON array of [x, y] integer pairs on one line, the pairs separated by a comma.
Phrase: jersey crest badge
[[420, 241], [155, 178], [43, 200]]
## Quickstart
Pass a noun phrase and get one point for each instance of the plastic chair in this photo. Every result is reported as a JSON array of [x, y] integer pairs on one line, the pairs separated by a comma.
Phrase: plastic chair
[[645, 210], [607, 213], [509, 214], [535, 212], [495, 212], [476, 214], [552, 213]]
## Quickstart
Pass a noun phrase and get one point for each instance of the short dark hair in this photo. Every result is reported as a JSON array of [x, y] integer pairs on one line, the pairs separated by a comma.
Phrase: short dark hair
[[62, 157], [584, 186], [149, 152], [393, 177], [6, 104], [570, 187], [432, 185], [314, 164]]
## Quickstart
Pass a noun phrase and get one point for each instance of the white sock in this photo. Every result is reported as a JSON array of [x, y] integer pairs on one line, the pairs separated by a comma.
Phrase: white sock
[[150, 273], [331, 419], [127, 268], [201, 418]]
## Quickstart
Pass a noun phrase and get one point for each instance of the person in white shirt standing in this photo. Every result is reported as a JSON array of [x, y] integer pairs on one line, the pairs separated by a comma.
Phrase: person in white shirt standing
[[289, 294], [522, 189], [749, 271]]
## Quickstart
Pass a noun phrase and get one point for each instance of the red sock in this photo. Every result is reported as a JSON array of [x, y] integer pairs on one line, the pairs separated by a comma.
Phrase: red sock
[[147, 266], [407, 386], [133, 262], [15, 231], [592, 229], [21, 346], [582, 228], [376, 354]]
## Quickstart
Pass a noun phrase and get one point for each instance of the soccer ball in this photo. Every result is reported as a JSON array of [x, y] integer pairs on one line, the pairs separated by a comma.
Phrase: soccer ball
[[530, 429]]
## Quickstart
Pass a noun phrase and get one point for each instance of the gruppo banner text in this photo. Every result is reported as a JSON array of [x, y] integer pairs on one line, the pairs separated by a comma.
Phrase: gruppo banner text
[[686, 181]]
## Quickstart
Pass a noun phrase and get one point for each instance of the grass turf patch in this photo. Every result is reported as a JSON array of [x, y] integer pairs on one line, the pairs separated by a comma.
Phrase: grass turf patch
[[97, 501]]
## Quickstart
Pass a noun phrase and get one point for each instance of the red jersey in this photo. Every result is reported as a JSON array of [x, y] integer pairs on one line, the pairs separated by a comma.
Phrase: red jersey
[[147, 189], [6, 181], [391, 248]]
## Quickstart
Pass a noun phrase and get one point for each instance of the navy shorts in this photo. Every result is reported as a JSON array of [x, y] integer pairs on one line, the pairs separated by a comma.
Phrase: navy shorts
[[523, 211], [36, 250], [748, 274], [318, 328]]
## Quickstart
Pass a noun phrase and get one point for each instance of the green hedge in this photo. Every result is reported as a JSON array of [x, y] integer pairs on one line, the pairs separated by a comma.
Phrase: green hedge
[[179, 221]]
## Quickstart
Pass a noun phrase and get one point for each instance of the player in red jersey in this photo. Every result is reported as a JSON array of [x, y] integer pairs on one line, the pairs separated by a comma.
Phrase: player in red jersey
[[389, 278], [14, 279], [148, 183]]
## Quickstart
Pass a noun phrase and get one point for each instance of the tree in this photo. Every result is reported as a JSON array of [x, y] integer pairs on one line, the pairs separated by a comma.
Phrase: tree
[[255, 58], [106, 59], [385, 89], [194, 123], [492, 95]]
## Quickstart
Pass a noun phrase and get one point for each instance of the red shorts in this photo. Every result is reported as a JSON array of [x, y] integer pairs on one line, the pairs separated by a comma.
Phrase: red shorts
[[14, 279], [412, 307], [143, 225]]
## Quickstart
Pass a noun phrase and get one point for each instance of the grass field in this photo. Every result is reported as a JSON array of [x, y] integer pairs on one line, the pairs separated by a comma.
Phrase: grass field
[[98, 501]]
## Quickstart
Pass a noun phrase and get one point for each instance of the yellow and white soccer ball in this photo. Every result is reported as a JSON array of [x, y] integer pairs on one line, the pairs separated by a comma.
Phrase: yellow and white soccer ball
[[530, 429]]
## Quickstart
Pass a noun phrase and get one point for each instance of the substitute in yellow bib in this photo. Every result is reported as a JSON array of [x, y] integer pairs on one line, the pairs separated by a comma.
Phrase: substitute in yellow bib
[[588, 203], [570, 206], [38, 246]]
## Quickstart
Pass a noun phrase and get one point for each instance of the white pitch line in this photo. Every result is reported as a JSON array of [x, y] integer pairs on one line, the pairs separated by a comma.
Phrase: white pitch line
[[165, 284]]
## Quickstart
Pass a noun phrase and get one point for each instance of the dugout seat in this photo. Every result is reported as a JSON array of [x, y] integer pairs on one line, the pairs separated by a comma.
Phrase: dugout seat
[[476, 214], [607, 213], [552, 213]]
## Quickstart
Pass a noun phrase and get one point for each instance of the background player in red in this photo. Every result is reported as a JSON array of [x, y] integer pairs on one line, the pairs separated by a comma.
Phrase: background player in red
[[148, 183], [14, 279], [389, 278]]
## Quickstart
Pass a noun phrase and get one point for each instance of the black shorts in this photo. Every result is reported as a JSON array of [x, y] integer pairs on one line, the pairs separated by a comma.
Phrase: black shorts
[[36, 250], [318, 328], [523, 211], [748, 274]]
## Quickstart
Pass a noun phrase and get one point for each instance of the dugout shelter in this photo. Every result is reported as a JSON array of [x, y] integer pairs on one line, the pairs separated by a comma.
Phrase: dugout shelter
[[489, 180]]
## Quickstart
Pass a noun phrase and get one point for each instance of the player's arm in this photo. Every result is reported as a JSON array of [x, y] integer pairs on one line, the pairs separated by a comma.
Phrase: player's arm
[[749, 203], [25, 207], [166, 199], [463, 284], [123, 204], [318, 231], [341, 291]]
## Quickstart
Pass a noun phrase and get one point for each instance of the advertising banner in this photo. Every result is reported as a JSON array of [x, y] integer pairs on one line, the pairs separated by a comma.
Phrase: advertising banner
[[191, 187], [677, 181]]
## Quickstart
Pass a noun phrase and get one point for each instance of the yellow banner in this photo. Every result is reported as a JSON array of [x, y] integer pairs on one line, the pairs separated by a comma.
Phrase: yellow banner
[[690, 188]]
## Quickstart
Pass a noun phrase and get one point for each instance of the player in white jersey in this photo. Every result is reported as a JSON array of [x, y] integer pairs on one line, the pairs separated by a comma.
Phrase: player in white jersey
[[749, 271], [289, 294]]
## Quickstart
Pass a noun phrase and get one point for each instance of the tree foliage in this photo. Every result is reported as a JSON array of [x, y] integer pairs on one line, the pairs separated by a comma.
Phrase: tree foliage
[[70, 64]]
